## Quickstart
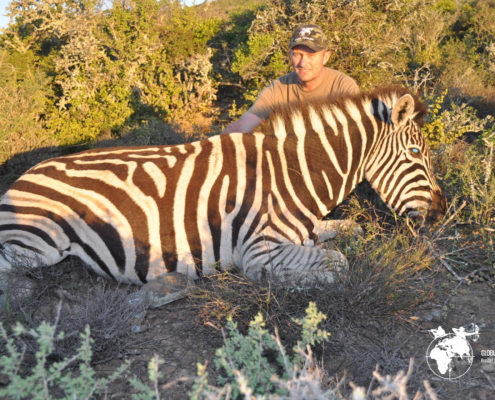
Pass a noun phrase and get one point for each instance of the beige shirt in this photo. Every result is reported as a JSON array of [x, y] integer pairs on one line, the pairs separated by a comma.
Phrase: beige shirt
[[287, 90]]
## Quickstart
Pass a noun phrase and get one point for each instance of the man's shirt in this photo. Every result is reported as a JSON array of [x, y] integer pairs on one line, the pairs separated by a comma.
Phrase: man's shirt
[[287, 89]]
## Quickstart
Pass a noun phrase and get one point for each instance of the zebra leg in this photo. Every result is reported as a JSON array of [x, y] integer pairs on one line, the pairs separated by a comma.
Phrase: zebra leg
[[328, 229], [293, 264]]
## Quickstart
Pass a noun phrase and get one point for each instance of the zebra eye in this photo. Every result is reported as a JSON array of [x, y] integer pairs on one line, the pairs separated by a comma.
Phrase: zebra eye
[[415, 151]]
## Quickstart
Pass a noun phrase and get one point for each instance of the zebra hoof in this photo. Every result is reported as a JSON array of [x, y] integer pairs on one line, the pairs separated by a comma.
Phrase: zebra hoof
[[166, 288], [336, 264], [330, 229], [337, 261]]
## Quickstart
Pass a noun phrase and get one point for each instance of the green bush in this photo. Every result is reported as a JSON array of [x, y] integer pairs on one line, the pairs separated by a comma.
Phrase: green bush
[[245, 367], [110, 68], [88, 71], [257, 366], [446, 123], [378, 43], [22, 102], [49, 380]]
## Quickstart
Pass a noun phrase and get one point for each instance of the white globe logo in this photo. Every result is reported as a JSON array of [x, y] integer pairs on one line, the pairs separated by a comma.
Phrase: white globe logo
[[450, 355]]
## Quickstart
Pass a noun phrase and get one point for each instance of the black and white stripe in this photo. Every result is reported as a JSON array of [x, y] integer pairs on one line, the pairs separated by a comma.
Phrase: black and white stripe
[[253, 200]]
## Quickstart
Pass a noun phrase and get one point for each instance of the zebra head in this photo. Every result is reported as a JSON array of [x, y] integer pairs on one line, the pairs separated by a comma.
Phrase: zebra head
[[400, 170]]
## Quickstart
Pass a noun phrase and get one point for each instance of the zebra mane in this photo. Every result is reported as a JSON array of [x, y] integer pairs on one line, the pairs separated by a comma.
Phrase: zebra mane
[[388, 95]]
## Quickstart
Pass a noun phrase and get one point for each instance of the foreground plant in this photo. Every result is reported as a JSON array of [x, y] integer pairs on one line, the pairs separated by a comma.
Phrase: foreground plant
[[49, 380], [257, 365]]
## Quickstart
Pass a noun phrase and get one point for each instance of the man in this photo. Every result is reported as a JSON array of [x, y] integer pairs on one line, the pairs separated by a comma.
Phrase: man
[[309, 80]]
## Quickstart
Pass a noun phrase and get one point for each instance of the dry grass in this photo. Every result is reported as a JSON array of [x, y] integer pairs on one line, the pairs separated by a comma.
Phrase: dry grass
[[388, 266], [85, 300]]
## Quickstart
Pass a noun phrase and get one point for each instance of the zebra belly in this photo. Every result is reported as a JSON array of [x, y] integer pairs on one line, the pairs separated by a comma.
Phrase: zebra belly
[[37, 231]]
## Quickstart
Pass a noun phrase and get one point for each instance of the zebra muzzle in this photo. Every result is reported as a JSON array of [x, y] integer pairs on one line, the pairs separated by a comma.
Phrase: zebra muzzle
[[438, 206]]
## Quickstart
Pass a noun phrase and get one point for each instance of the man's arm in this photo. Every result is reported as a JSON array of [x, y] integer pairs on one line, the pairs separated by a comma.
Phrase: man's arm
[[245, 124]]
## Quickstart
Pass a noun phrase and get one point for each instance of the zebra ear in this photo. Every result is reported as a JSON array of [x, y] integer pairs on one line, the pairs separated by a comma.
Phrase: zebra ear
[[402, 110]]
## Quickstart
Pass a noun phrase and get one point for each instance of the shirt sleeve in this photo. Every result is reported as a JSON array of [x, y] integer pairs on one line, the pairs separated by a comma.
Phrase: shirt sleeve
[[348, 86], [264, 103]]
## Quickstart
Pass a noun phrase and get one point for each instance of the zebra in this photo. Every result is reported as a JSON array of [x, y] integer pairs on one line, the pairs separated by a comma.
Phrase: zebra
[[255, 201]]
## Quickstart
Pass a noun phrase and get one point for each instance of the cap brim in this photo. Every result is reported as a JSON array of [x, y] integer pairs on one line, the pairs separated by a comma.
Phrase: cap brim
[[308, 43]]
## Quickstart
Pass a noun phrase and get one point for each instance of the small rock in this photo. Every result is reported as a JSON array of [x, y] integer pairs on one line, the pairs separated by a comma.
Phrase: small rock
[[434, 315], [137, 298], [136, 329]]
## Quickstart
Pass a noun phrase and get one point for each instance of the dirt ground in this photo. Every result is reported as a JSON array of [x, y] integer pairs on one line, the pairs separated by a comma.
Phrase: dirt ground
[[175, 334], [181, 341], [182, 334]]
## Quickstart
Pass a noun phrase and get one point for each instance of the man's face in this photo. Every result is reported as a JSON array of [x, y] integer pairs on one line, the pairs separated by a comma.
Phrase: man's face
[[308, 63]]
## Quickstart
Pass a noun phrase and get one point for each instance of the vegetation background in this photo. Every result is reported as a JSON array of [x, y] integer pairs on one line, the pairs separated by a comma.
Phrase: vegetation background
[[73, 72], [81, 73]]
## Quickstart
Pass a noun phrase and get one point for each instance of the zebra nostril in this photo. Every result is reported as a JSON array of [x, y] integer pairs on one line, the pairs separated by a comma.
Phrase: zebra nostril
[[438, 205], [415, 213]]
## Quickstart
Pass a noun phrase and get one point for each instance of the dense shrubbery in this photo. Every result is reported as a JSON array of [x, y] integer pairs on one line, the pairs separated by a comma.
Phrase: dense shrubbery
[[72, 70], [92, 71], [448, 123], [22, 103]]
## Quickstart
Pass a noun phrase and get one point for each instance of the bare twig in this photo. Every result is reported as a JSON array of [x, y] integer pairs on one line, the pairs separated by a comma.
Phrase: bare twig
[[168, 385], [490, 381], [444, 263], [429, 390], [472, 273], [445, 224]]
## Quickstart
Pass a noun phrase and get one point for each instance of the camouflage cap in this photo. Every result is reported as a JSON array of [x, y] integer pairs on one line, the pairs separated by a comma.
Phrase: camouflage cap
[[309, 35]]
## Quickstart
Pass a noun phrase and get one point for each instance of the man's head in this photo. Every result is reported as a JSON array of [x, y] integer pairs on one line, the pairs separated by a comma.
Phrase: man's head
[[309, 53]]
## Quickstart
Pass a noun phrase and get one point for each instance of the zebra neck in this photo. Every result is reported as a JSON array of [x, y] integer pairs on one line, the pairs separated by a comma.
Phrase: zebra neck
[[323, 164], [380, 154], [339, 141]]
